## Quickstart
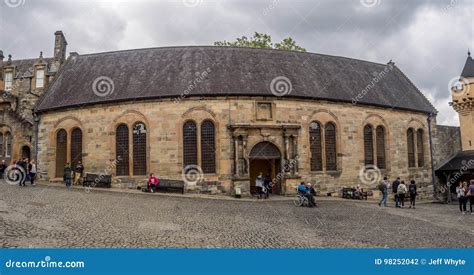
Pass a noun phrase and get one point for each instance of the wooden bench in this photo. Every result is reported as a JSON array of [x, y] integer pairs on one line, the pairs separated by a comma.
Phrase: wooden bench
[[97, 180], [350, 193], [165, 185]]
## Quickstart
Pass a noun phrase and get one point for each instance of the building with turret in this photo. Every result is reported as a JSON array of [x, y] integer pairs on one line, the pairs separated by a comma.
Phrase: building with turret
[[22, 83], [460, 167]]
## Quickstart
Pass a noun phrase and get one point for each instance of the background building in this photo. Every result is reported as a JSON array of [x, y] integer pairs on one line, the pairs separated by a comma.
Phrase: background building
[[22, 83]]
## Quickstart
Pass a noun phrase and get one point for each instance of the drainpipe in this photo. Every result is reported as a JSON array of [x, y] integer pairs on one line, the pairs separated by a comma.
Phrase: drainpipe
[[36, 119], [431, 154]]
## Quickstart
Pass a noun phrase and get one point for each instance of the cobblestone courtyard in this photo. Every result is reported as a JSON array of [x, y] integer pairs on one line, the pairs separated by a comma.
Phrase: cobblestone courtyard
[[53, 217]]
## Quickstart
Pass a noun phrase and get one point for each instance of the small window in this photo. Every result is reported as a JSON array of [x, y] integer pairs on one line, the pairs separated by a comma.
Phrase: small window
[[315, 147], [8, 81], [330, 142], [40, 78], [190, 150]]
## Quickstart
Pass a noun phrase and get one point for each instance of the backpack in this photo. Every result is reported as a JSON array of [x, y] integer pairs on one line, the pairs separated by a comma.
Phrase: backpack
[[412, 188], [381, 187]]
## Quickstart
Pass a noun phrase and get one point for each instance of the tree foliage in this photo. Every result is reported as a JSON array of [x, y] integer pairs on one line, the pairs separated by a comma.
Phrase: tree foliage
[[262, 41]]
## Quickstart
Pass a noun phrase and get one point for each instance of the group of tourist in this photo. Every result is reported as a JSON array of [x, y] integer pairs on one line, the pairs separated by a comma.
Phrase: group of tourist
[[263, 185], [22, 170], [400, 191], [71, 176], [464, 194]]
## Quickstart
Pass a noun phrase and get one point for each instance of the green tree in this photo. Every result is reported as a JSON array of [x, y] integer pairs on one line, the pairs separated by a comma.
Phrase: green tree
[[262, 41]]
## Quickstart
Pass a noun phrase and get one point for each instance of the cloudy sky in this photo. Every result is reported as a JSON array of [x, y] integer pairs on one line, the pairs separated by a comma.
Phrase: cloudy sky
[[428, 40]]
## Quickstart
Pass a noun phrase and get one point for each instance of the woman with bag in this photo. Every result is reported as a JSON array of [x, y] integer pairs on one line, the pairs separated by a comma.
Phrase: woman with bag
[[412, 191], [401, 191], [460, 194]]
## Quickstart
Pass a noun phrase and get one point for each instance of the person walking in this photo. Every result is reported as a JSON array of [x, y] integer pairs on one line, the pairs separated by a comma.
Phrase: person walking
[[23, 171], [401, 192], [259, 184], [266, 186], [67, 176], [78, 172], [460, 194], [32, 171], [470, 195], [3, 167], [395, 191], [383, 187], [412, 190]]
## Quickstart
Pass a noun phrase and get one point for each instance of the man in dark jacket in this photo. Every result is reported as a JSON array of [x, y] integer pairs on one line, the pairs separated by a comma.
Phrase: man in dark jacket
[[67, 176], [78, 172], [3, 167], [23, 163], [395, 185]]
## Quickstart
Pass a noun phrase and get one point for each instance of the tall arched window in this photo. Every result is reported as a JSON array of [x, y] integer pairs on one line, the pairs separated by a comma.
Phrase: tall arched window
[[208, 147], [8, 144], [190, 144], [380, 146], [315, 146], [61, 152], [419, 148], [411, 147], [139, 149], [122, 150], [330, 142], [2, 145], [368, 145], [76, 147]]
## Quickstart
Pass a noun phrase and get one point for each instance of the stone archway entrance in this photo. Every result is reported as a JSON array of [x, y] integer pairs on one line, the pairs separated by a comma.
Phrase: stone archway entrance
[[265, 157], [26, 152]]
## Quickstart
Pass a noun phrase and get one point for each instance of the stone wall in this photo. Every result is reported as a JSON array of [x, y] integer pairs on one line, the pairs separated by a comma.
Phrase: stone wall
[[446, 142], [164, 120]]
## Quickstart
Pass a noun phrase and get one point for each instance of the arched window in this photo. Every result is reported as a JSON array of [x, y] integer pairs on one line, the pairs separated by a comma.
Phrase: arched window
[[330, 142], [76, 147], [380, 145], [61, 152], [121, 150], [208, 147], [411, 147], [2, 151], [419, 148], [8, 144], [368, 145], [190, 144], [139, 149], [315, 146]]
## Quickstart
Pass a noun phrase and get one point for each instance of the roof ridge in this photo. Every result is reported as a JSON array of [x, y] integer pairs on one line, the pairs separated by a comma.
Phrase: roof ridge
[[229, 47]]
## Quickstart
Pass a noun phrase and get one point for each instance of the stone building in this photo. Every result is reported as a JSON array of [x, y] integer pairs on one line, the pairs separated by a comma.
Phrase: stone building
[[218, 116], [22, 83]]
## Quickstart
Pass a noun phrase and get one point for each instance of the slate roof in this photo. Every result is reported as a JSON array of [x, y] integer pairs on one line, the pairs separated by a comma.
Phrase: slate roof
[[169, 72], [461, 160], [25, 67], [468, 70]]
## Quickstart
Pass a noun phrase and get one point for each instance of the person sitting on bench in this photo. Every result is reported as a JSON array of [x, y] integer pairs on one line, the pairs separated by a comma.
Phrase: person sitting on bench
[[152, 183]]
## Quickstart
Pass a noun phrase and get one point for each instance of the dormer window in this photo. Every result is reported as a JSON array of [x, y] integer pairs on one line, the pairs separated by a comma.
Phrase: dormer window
[[8, 81], [40, 78]]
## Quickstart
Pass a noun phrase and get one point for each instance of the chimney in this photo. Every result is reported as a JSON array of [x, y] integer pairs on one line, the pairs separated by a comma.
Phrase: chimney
[[60, 44]]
